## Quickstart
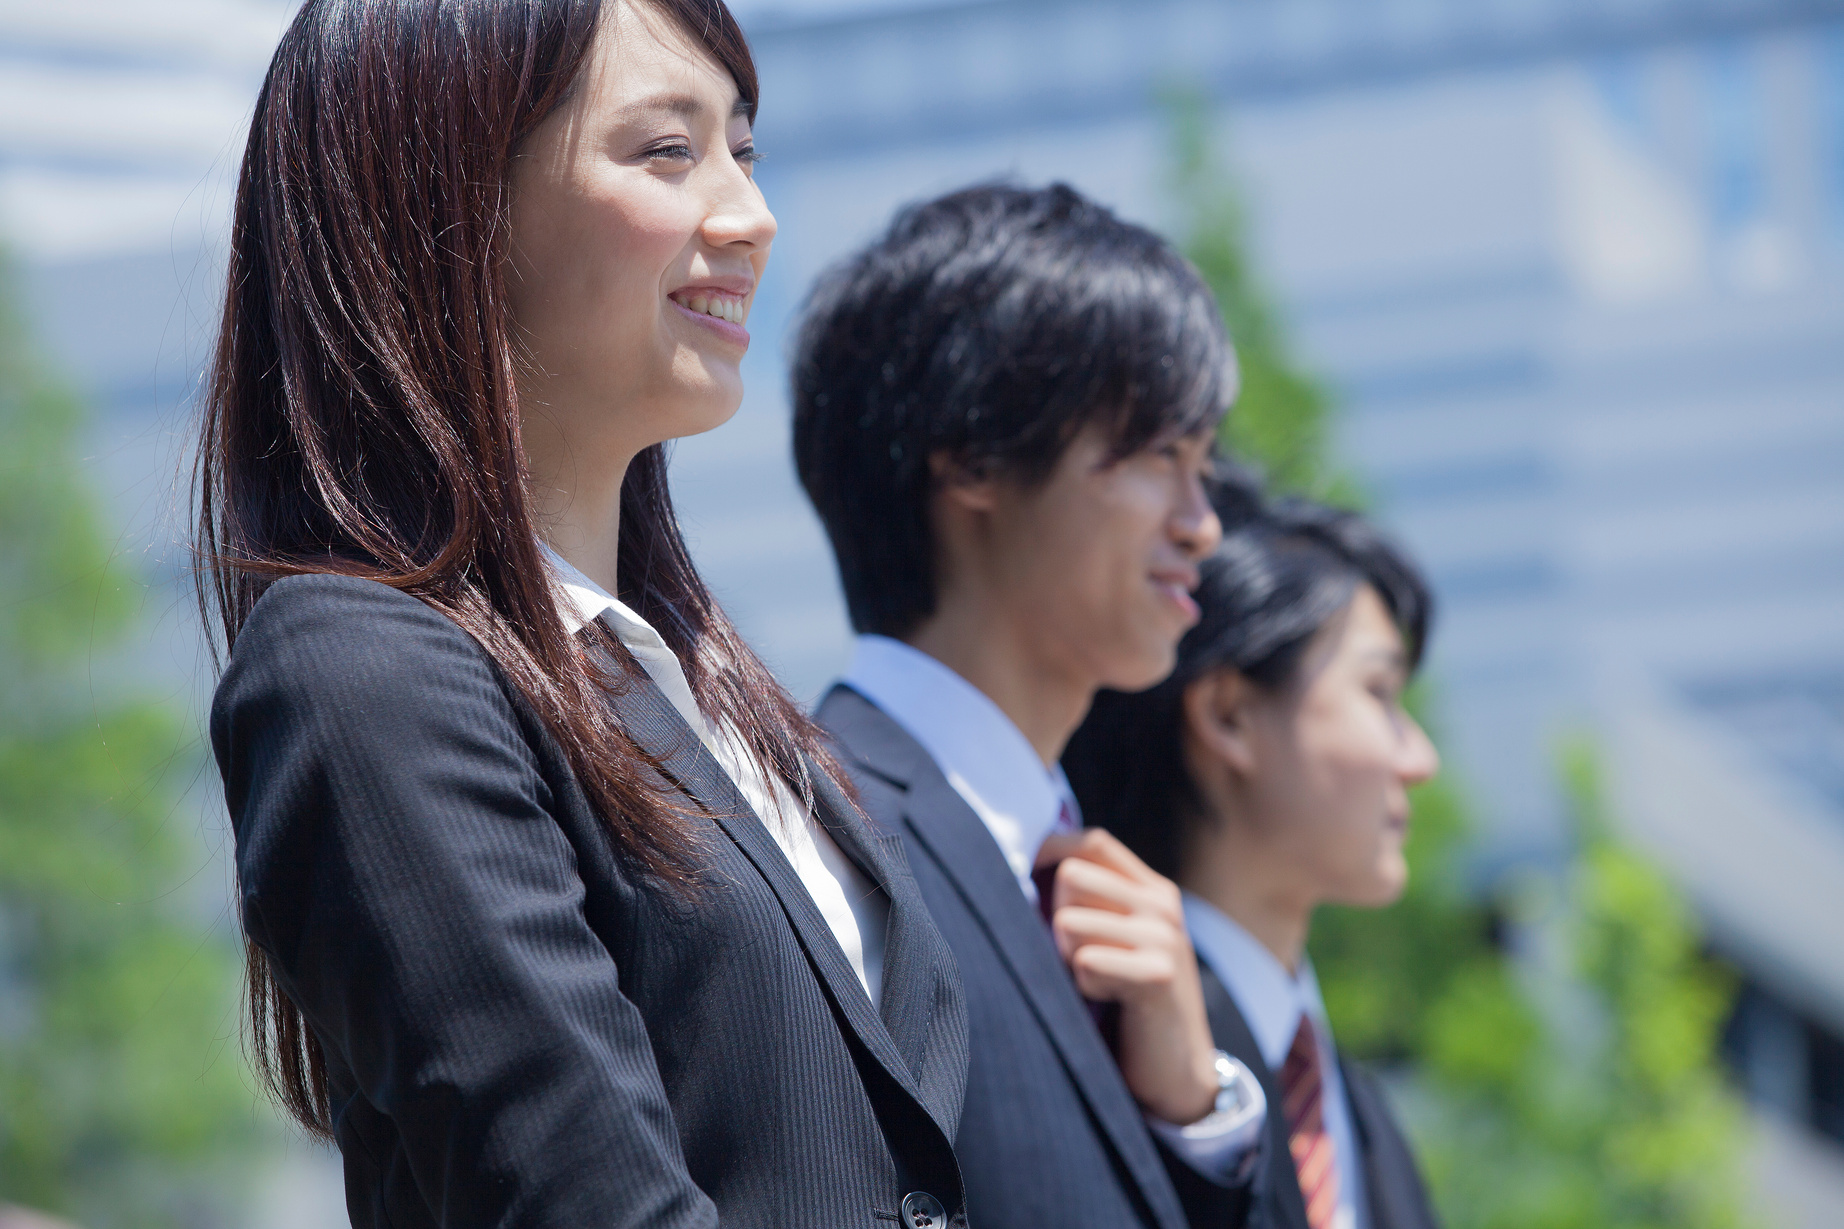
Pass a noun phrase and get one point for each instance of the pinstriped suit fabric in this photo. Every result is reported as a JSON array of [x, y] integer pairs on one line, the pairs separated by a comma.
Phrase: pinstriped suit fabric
[[519, 1031]]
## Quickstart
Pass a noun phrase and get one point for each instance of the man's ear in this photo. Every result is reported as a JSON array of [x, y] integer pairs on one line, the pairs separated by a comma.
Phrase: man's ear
[[966, 486], [1219, 710]]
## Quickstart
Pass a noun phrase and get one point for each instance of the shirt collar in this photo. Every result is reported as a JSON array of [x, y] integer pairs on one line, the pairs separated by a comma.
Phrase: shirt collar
[[1270, 998], [580, 601], [985, 757]]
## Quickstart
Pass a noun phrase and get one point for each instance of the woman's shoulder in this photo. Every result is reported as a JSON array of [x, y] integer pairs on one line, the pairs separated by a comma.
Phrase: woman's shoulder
[[345, 637], [321, 603]]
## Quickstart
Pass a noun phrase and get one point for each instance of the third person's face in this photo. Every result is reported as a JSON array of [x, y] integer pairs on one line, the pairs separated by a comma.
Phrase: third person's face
[[1334, 755]]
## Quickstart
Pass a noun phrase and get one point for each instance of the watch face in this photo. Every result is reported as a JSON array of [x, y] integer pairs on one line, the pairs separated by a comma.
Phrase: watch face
[[1241, 1109], [1236, 1087]]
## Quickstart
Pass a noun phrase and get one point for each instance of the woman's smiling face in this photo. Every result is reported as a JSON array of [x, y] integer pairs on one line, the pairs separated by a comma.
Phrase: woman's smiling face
[[638, 239]]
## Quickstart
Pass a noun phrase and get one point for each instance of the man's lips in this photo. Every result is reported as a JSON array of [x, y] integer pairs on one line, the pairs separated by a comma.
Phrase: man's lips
[[1177, 590]]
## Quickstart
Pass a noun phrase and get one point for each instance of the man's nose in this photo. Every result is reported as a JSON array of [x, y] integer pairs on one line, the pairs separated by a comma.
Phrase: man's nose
[[1195, 526]]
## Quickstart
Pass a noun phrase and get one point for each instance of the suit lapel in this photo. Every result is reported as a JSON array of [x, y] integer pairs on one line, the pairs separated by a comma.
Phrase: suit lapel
[[1234, 1037], [943, 824], [909, 992], [1393, 1185], [663, 735]]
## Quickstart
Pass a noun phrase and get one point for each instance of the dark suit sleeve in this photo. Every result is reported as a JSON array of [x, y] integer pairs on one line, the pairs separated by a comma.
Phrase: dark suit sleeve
[[400, 867], [1211, 1205]]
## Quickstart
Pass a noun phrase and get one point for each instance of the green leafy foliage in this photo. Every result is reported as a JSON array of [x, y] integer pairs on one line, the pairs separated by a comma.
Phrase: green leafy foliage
[[1608, 1108], [119, 1075], [1568, 1086]]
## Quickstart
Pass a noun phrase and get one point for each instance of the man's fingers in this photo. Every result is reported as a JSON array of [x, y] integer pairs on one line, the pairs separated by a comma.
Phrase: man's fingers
[[1080, 882], [1108, 974], [1076, 926], [1103, 848], [1056, 847]]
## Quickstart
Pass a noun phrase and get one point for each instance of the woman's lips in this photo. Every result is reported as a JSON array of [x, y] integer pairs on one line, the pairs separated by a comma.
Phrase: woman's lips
[[731, 332]]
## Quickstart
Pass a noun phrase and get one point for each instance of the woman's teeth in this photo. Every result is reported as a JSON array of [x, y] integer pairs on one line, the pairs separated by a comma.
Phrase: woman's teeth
[[722, 308]]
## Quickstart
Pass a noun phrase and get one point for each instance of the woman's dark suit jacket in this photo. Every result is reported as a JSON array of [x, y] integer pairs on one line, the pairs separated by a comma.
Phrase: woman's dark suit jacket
[[519, 1031]]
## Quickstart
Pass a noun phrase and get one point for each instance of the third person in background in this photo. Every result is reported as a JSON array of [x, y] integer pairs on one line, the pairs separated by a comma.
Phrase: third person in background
[[1269, 775]]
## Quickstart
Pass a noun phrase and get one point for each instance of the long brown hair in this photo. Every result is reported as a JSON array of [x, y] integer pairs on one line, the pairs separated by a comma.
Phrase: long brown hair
[[362, 416]]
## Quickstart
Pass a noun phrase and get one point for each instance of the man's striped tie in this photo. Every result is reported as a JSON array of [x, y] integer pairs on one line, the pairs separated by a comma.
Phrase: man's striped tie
[[1302, 1093]]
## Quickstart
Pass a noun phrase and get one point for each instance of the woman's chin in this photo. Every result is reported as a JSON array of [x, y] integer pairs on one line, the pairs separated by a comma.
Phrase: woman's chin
[[1377, 889], [707, 407]]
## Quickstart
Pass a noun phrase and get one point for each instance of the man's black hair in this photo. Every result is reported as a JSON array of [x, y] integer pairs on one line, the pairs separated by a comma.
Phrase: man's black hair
[[1276, 580], [991, 325]]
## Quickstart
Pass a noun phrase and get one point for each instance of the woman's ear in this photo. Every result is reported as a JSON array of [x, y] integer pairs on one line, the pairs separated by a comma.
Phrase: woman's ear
[[1219, 713]]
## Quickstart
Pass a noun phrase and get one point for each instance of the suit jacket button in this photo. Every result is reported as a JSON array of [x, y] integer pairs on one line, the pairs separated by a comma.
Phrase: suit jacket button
[[922, 1210]]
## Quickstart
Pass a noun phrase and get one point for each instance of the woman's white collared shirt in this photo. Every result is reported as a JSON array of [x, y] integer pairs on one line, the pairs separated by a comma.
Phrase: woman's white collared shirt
[[857, 912]]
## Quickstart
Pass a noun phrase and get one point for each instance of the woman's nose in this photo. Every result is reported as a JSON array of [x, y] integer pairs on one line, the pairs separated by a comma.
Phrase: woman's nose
[[1420, 761], [739, 216]]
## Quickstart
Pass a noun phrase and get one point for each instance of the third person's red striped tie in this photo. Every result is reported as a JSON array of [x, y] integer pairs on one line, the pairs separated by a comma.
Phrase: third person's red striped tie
[[1303, 1093]]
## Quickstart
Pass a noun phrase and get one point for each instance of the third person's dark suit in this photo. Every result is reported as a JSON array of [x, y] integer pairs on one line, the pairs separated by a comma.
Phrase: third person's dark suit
[[1393, 1187]]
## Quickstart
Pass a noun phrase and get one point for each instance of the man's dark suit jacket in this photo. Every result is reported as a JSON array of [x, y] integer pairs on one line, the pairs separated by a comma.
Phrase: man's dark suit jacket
[[519, 1030], [1392, 1183], [1050, 1136]]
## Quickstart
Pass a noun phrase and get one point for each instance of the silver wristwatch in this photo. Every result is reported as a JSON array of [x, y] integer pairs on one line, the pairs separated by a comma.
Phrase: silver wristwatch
[[1241, 1106]]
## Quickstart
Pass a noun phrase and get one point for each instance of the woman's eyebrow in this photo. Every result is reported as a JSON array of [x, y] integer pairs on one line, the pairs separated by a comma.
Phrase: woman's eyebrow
[[689, 106]]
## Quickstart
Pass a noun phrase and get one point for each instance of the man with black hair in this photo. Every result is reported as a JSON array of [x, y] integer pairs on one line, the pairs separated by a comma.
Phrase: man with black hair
[[1005, 410]]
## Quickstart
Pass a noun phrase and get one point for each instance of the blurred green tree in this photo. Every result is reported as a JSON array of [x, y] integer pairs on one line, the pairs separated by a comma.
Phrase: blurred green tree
[[116, 1001], [1602, 1104], [1573, 1087]]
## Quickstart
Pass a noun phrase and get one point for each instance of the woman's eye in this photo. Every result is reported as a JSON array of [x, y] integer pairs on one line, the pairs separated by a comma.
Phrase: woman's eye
[[748, 155], [674, 151]]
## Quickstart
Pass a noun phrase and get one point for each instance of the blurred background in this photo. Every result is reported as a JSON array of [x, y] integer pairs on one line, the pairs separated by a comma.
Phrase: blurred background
[[1554, 288]]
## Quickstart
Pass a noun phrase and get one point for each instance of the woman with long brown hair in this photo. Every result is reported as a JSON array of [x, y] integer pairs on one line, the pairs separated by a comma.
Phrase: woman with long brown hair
[[555, 913]]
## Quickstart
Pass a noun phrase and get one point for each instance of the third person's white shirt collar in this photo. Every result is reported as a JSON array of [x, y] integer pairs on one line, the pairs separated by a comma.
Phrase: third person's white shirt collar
[[1271, 999]]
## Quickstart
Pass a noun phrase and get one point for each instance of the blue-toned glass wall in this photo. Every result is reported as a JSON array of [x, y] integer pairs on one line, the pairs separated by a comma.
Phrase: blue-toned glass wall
[[1563, 267], [1831, 94]]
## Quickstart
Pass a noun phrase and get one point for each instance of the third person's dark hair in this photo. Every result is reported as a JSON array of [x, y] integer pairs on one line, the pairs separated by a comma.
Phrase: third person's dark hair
[[1276, 580], [992, 326]]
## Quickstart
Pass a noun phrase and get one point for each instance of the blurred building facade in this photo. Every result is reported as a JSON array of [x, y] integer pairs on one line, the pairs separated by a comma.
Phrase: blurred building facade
[[1573, 270]]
